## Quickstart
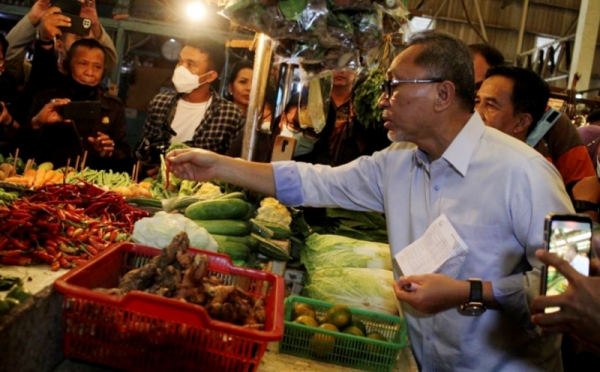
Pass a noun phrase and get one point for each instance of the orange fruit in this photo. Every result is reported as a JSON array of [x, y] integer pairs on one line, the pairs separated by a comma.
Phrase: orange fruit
[[321, 344], [306, 320], [340, 316], [353, 330], [301, 308]]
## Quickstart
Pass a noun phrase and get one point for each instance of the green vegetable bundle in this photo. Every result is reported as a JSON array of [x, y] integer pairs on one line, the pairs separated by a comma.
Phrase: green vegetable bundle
[[333, 251]]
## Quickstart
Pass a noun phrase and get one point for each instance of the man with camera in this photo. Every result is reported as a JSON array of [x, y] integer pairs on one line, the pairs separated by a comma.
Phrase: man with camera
[[53, 27], [79, 116], [194, 114]]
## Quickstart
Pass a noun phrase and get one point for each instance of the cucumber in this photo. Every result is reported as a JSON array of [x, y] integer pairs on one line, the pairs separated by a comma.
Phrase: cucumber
[[217, 209], [145, 202], [270, 249], [247, 240], [260, 229], [279, 231], [232, 195], [237, 251], [225, 227], [186, 201]]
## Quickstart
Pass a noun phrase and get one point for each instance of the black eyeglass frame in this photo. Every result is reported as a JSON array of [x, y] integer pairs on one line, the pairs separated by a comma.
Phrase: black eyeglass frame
[[388, 84]]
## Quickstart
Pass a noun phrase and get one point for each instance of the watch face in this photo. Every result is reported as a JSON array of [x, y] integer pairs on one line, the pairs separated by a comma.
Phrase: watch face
[[472, 309], [170, 49]]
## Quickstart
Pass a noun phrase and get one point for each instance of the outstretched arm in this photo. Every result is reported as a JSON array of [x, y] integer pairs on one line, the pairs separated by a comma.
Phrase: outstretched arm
[[203, 165]]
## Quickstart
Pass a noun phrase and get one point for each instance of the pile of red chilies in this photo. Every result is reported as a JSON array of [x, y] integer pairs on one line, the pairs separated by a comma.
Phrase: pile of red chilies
[[64, 225]]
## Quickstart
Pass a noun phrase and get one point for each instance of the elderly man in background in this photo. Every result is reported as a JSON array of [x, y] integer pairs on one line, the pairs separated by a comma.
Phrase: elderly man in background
[[51, 137]]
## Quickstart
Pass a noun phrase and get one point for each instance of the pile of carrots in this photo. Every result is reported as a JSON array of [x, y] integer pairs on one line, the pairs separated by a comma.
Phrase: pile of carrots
[[38, 178]]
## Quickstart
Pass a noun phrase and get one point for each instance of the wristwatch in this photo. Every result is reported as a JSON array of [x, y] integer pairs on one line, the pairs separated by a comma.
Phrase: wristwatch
[[475, 306], [38, 37]]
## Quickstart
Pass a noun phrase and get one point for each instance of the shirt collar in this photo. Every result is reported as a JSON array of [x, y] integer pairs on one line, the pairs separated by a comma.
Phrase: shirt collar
[[460, 151]]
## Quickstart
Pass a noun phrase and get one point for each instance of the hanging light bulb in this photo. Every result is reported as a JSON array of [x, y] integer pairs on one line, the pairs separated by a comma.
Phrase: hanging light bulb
[[195, 10]]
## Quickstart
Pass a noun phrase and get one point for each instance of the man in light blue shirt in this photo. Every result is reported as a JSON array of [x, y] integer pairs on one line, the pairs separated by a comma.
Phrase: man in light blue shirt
[[494, 190]]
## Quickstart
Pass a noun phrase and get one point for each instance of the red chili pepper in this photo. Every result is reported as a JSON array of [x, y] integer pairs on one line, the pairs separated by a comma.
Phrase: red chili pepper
[[51, 251], [3, 242], [64, 263], [19, 261], [18, 215], [113, 236], [55, 266], [44, 256], [51, 243], [92, 250], [20, 245], [13, 253]]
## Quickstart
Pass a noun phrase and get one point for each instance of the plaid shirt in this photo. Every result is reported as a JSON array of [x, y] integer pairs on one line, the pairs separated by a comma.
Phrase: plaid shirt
[[222, 122]]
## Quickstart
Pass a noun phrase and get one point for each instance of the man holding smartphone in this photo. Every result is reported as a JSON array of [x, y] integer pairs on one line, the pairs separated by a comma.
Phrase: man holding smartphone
[[50, 28], [579, 314], [101, 133]]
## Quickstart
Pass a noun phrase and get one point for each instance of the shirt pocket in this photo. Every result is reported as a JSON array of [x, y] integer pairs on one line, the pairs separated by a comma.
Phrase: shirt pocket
[[487, 248]]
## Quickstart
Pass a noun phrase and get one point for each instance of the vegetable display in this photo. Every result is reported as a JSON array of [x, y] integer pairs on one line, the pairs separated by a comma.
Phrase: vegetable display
[[64, 226]]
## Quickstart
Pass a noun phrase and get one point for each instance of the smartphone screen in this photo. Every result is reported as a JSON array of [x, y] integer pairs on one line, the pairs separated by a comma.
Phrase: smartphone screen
[[569, 237]]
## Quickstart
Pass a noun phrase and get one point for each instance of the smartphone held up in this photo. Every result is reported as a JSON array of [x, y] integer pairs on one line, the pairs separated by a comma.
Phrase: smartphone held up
[[569, 236]]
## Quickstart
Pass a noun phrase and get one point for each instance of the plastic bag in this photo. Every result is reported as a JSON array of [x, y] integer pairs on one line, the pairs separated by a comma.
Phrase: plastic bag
[[313, 105]]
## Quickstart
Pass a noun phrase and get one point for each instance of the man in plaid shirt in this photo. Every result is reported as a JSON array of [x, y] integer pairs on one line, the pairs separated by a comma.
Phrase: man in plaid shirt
[[195, 114]]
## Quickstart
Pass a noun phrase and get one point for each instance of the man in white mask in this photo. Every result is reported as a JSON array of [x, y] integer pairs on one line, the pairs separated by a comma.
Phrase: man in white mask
[[194, 114]]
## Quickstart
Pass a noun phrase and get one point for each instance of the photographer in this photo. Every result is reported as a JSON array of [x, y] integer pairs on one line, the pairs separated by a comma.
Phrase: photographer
[[51, 137], [8, 93], [50, 28]]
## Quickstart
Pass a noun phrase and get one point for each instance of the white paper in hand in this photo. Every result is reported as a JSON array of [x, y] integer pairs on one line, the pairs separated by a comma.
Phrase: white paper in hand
[[439, 250]]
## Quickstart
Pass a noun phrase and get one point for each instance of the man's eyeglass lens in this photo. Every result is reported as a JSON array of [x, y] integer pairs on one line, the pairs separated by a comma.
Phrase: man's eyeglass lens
[[387, 85]]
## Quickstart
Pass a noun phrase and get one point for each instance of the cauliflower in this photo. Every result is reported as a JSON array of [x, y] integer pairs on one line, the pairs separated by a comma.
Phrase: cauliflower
[[209, 191], [272, 211]]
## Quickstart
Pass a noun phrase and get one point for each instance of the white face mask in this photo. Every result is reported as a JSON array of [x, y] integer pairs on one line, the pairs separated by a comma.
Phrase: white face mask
[[303, 145], [185, 81]]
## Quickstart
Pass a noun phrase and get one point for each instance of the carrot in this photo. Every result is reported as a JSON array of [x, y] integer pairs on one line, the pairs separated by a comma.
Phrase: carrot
[[30, 172], [39, 178], [48, 177], [17, 180], [58, 178]]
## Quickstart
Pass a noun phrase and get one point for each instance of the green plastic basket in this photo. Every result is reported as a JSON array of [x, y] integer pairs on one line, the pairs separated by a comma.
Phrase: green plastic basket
[[341, 348]]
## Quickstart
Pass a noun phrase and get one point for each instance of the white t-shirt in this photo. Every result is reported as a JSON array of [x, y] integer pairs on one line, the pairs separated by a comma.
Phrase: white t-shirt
[[188, 116]]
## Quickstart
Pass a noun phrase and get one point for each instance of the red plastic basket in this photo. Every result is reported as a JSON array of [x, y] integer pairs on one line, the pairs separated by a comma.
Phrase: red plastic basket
[[142, 331]]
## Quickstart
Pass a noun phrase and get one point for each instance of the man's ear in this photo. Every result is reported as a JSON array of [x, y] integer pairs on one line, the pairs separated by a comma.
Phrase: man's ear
[[524, 121], [446, 94], [211, 76]]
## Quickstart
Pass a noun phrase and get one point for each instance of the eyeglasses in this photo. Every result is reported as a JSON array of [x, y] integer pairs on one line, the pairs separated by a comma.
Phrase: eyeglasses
[[387, 85], [295, 127]]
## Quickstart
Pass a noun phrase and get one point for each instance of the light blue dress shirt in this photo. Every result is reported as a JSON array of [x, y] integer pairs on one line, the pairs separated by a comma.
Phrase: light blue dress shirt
[[496, 192]]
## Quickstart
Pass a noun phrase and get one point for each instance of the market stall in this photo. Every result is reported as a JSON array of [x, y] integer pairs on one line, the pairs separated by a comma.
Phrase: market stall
[[107, 270]]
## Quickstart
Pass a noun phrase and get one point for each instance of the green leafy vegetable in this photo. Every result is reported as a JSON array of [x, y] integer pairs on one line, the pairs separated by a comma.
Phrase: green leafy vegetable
[[369, 289], [366, 97], [333, 251]]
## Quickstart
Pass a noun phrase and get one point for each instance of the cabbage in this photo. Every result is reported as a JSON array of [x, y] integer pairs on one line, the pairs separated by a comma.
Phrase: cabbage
[[158, 231], [333, 251], [369, 289]]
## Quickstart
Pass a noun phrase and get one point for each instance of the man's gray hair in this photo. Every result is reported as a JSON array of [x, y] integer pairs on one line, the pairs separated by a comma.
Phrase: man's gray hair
[[446, 57]]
